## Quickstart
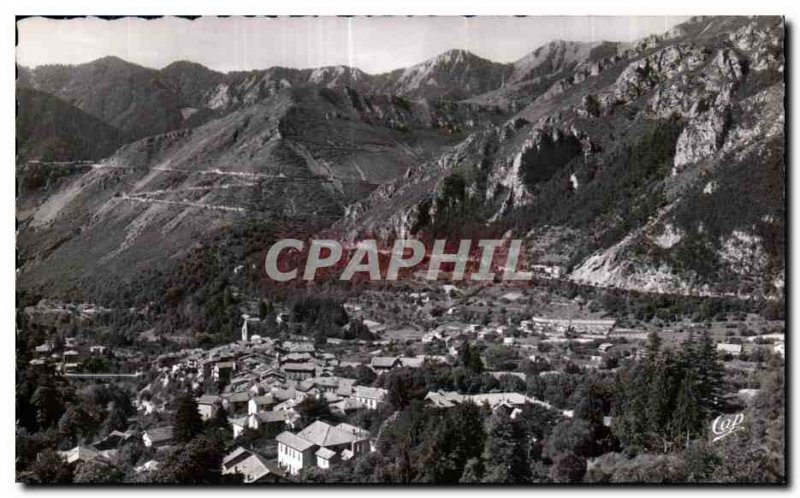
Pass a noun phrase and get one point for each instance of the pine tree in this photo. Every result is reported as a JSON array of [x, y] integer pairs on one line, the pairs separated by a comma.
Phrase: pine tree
[[688, 413], [187, 421], [221, 418], [116, 419], [264, 309], [711, 376], [49, 406], [660, 399], [506, 452], [471, 359]]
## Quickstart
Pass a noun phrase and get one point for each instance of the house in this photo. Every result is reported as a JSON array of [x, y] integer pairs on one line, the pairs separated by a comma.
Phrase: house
[[98, 350], [223, 370], [326, 457], [294, 452], [253, 467], [336, 385], [261, 404], [380, 364], [38, 363], [44, 350], [207, 405], [295, 358], [299, 371], [301, 450], [512, 403], [85, 454], [287, 347], [370, 397], [236, 403], [732, 349], [346, 406], [71, 356], [561, 326], [148, 466], [547, 271], [273, 422], [158, 437], [603, 348], [112, 440], [238, 425]]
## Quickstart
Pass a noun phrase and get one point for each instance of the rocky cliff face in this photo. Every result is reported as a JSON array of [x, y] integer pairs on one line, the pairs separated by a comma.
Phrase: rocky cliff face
[[656, 165], [631, 149]]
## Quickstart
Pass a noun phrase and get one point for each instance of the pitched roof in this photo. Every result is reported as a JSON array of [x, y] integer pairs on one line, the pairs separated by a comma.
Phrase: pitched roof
[[369, 392], [208, 399], [293, 441], [299, 367], [356, 431], [384, 361], [159, 434], [323, 434], [248, 463], [235, 456], [325, 453], [267, 399], [77, 453], [239, 397], [267, 417], [241, 421]]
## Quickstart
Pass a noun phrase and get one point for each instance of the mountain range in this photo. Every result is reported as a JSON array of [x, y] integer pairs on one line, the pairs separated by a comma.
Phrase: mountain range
[[656, 165]]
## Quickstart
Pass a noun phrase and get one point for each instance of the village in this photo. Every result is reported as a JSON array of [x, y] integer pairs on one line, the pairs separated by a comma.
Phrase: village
[[263, 383]]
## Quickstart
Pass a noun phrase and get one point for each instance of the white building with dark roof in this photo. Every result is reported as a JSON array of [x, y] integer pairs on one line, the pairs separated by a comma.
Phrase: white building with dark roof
[[303, 450], [370, 397]]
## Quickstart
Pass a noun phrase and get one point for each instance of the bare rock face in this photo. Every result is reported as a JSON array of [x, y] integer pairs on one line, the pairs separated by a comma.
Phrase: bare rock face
[[765, 49], [644, 74], [701, 138], [621, 147], [569, 151]]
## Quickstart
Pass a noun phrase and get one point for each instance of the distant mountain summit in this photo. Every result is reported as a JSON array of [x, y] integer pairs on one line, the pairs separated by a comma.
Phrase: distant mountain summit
[[656, 165], [455, 74]]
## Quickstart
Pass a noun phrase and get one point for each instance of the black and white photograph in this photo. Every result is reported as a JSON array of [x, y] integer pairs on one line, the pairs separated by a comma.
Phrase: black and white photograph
[[516, 251]]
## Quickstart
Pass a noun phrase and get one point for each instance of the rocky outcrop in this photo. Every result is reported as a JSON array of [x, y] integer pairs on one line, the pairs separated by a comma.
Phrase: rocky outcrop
[[701, 138]]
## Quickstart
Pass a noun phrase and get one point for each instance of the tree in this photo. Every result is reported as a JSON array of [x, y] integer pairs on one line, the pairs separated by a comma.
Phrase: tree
[[453, 437], [92, 472], [116, 420], [312, 409], [199, 462], [49, 468], [568, 467], [76, 422], [570, 436], [473, 471], [220, 419], [400, 389], [471, 359], [264, 309], [506, 452], [49, 406], [187, 422], [669, 395]]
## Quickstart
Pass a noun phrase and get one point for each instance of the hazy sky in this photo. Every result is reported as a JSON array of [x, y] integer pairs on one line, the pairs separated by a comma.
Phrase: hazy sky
[[374, 44]]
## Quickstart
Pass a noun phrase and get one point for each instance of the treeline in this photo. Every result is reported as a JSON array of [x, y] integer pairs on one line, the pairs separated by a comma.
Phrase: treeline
[[670, 397]]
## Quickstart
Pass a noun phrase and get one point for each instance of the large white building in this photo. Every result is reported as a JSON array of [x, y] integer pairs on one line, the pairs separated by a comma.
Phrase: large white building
[[320, 444]]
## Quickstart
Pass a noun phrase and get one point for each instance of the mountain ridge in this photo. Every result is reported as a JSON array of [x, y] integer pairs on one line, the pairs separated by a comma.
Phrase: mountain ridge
[[616, 154]]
